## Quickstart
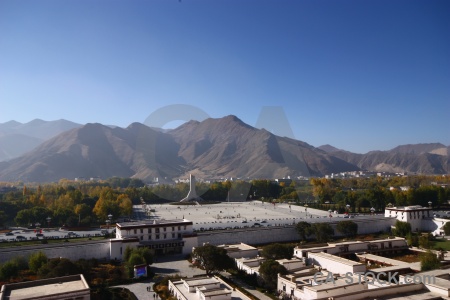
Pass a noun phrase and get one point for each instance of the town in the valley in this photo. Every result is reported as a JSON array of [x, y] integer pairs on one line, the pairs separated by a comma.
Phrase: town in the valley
[[242, 249]]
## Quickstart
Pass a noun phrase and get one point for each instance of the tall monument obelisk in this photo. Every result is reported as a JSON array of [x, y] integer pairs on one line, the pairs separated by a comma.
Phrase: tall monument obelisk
[[192, 195]]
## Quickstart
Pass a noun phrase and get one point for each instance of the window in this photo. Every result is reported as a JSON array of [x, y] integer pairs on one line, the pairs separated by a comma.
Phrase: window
[[165, 235], [135, 231], [173, 235], [149, 237], [173, 228], [142, 230], [179, 235], [157, 230], [165, 228], [157, 236], [179, 227], [149, 230], [142, 238], [184, 227]]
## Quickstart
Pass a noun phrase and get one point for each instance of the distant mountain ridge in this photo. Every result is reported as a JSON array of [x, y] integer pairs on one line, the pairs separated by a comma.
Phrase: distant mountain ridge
[[18, 138], [225, 147], [214, 148], [431, 158]]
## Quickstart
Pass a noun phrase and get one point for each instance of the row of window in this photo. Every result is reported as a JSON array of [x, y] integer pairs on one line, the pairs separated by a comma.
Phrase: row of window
[[159, 236], [157, 230]]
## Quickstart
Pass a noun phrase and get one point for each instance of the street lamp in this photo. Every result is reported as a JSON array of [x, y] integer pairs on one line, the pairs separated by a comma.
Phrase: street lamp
[[372, 210], [37, 225], [108, 222], [430, 203], [330, 213], [48, 221], [348, 208]]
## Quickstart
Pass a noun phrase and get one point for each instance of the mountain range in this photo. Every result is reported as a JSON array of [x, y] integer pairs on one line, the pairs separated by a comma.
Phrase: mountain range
[[214, 148]]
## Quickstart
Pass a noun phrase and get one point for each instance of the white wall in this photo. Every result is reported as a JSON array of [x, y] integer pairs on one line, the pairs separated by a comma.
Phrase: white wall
[[72, 251]]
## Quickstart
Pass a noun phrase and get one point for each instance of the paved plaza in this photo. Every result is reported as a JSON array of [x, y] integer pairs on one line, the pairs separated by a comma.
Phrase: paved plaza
[[229, 215]]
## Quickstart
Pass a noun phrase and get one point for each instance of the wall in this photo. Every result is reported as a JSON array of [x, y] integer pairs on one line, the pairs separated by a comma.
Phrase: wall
[[71, 250], [255, 236], [335, 264]]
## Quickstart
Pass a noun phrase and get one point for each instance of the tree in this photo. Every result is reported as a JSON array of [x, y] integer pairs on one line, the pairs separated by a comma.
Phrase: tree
[[429, 261], [412, 239], [402, 228], [303, 229], [36, 261], [12, 267], [277, 251], [447, 228], [426, 241], [3, 218], [213, 259], [323, 232], [269, 271], [347, 228], [58, 267]]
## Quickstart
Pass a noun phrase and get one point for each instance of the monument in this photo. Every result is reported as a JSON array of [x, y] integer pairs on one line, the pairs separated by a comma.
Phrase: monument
[[192, 195]]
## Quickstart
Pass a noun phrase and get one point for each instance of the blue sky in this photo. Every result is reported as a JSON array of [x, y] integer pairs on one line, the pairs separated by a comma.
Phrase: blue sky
[[359, 75]]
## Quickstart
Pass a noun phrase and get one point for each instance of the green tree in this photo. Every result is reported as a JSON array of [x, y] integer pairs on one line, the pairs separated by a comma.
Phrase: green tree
[[426, 241], [269, 271], [3, 218], [12, 267], [37, 260], [447, 228], [57, 267], [277, 251], [412, 239], [213, 259], [347, 228], [303, 229], [429, 261], [323, 232], [402, 228]]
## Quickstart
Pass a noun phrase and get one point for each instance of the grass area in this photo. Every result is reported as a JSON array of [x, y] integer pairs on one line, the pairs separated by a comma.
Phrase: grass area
[[444, 244]]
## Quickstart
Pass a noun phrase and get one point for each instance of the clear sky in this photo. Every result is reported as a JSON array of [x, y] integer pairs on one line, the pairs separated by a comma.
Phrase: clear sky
[[359, 75]]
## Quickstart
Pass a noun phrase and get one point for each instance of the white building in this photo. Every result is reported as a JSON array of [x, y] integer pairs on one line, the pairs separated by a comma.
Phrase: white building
[[415, 215], [161, 236], [66, 287], [393, 244], [204, 288], [240, 250], [250, 265]]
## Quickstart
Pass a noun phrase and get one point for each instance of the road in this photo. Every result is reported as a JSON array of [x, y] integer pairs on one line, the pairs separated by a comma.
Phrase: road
[[48, 233]]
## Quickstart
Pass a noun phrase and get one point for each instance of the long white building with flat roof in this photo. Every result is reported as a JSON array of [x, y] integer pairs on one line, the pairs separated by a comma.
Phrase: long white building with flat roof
[[161, 236]]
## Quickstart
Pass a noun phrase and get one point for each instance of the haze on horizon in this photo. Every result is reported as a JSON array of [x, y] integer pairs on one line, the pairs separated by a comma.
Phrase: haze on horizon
[[359, 75]]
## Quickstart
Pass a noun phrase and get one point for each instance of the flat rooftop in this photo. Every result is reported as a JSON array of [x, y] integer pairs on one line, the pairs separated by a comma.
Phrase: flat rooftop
[[44, 287], [237, 247], [336, 258]]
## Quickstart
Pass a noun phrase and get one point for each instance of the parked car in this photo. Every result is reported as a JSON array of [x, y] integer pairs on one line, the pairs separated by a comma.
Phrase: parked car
[[21, 238], [39, 234], [9, 233]]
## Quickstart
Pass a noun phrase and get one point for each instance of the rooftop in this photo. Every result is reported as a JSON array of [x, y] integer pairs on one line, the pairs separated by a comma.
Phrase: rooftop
[[146, 223], [412, 207], [44, 287], [336, 258]]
